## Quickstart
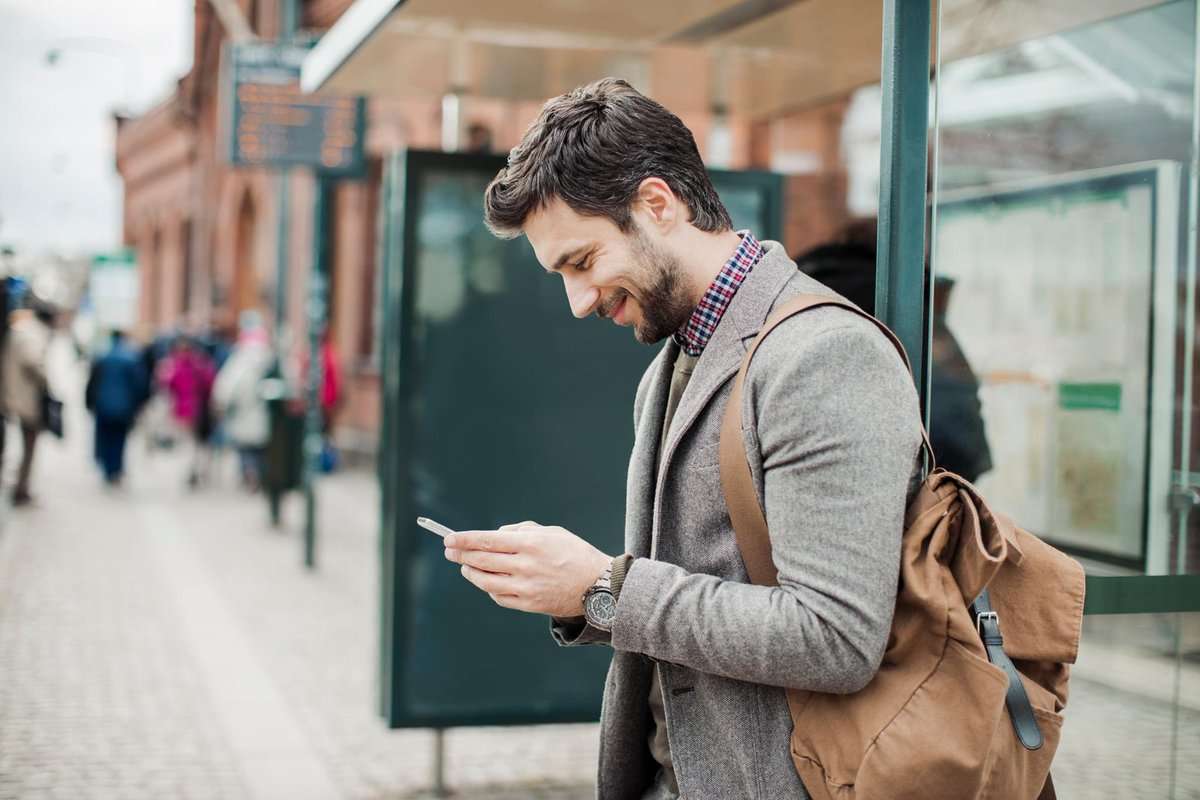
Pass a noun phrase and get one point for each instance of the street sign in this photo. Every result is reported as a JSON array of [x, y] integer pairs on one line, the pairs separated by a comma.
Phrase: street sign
[[113, 287], [273, 124]]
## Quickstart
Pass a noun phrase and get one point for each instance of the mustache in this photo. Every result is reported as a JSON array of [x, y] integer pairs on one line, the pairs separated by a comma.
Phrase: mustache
[[607, 308]]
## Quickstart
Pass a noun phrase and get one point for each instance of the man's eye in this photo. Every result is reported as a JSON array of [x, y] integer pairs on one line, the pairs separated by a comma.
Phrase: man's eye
[[581, 266]]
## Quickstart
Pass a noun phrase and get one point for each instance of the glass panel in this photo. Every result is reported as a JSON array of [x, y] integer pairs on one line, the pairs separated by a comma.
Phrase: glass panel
[[1063, 301], [1132, 724], [487, 323]]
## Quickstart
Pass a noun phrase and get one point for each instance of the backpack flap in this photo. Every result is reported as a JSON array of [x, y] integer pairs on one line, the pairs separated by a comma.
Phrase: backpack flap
[[1044, 600]]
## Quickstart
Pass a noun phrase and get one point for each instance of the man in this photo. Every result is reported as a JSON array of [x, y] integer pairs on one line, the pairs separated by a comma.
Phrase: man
[[115, 389], [609, 189], [24, 385]]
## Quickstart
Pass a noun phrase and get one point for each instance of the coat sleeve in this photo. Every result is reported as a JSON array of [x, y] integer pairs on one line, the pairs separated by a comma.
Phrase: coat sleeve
[[835, 422]]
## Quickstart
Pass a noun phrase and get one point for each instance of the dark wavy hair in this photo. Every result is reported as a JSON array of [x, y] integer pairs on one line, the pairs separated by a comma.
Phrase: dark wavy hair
[[593, 147]]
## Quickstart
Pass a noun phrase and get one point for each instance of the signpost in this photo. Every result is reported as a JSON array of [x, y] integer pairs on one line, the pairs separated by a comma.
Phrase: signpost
[[113, 289], [271, 123]]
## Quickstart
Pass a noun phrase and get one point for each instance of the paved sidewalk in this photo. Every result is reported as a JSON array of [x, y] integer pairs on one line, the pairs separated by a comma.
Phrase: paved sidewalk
[[161, 643]]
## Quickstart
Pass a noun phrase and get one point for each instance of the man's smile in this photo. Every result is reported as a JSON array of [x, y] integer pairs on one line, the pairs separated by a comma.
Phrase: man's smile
[[614, 307], [618, 313]]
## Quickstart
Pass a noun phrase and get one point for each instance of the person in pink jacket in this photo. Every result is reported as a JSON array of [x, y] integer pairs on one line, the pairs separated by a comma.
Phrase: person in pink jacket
[[187, 376]]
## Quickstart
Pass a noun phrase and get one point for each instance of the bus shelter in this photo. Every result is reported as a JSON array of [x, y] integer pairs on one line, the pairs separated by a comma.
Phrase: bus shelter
[[1029, 175]]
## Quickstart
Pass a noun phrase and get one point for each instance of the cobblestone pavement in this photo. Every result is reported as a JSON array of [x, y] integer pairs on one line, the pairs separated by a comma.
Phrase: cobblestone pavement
[[109, 688], [122, 615]]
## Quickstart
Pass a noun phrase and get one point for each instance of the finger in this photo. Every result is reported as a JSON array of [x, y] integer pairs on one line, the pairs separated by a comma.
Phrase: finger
[[501, 563], [489, 582], [516, 526], [492, 541]]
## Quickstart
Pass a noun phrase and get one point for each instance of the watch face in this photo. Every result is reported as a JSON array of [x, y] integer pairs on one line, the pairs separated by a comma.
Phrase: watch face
[[600, 608]]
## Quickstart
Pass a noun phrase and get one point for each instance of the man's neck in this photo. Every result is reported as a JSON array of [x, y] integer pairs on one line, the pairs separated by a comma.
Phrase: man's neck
[[703, 257]]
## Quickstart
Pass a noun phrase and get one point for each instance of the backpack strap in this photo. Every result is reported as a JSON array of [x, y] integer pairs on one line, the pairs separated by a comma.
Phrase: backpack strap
[[750, 524], [987, 623], [737, 483]]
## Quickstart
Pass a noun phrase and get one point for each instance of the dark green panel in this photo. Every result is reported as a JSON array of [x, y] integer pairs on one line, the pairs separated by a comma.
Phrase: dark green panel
[[1142, 594], [900, 275], [754, 200], [499, 407]]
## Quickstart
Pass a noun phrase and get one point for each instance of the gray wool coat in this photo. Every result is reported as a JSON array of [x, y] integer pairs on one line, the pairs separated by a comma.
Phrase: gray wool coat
[[831, 429]]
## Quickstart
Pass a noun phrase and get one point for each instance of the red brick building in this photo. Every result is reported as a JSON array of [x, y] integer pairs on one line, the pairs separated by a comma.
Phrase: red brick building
[[206, 233]]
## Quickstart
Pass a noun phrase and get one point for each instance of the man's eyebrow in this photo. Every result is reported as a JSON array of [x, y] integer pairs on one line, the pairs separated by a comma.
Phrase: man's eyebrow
[[570, 255]]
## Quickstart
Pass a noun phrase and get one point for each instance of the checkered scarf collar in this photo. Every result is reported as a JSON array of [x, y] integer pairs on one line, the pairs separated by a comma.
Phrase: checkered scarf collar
[[694, 335]]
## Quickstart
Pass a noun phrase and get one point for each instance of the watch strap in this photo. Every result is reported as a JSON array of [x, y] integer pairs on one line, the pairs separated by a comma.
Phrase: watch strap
[[620, 566]]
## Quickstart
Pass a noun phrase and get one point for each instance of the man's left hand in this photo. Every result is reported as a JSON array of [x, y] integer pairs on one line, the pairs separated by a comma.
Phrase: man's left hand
[[529, 567]]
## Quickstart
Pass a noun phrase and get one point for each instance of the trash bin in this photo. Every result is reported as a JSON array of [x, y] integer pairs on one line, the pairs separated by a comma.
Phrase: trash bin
[[283, 459]]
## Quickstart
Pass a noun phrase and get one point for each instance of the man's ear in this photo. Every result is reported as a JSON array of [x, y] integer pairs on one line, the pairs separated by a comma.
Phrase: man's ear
[[656, 199]]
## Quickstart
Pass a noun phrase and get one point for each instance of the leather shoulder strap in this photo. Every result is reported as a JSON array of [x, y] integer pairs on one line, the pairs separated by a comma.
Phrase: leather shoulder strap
[[737, 483]]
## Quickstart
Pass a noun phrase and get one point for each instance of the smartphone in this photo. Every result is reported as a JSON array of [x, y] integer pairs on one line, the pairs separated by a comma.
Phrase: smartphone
[[434, 527]]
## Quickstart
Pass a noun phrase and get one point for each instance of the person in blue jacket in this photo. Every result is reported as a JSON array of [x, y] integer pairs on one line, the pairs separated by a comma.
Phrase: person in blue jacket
[[115, 390]]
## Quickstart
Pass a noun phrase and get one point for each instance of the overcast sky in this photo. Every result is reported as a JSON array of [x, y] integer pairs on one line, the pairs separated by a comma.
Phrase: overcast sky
[[59, 190]]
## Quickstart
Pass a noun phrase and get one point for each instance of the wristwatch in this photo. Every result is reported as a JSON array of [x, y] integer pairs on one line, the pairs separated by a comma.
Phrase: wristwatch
[[599, 604]]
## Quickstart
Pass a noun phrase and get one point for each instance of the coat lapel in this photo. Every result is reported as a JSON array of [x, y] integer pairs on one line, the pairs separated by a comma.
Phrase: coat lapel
[[639, 493], [723, 354]]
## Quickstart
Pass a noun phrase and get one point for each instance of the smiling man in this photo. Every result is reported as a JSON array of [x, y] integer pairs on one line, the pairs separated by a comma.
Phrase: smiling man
[[609, 188]]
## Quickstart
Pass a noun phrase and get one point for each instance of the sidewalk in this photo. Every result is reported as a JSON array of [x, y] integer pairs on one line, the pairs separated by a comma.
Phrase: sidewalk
[[161, 643]]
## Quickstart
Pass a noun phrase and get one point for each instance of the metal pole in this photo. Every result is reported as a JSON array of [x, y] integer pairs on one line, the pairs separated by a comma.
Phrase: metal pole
[[287, 28], [900, 286], [281, 254], [316, 331], [439, 763]]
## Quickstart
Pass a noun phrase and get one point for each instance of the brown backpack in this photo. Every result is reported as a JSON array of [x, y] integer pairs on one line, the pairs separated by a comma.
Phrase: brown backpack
[[955, 711]]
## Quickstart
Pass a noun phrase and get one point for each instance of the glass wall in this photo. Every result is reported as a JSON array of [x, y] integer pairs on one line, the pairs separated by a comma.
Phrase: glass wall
[[1063, 337], [1063, 301]]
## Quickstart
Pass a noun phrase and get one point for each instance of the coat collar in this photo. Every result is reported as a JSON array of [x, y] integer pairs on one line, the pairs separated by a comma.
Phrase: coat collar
[[723, 355]]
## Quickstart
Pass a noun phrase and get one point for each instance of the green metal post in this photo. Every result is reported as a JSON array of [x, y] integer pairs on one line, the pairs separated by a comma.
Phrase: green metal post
[[287, 29], [281, 251], [287, 19], [316, 332], [900, 282], [395, 191]]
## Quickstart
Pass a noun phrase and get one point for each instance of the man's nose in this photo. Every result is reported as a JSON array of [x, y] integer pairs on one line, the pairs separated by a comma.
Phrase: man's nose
[[580, 296]]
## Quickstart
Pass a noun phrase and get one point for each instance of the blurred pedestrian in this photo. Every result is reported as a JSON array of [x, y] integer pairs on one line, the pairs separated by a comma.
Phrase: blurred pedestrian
[[238, 401], [187, 376], [331, 384], [329, 398], [956, 428], [155, 416], [24, 386], [115, 390]]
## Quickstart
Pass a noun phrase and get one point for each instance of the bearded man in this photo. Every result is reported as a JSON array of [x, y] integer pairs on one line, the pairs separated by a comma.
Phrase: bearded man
[[609, 189]]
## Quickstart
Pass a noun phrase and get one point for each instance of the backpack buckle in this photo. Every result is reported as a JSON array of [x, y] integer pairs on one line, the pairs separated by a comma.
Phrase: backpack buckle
[[988, 616]]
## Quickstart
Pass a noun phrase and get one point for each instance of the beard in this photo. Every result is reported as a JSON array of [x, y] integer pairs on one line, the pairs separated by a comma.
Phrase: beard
[[658, 286]]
